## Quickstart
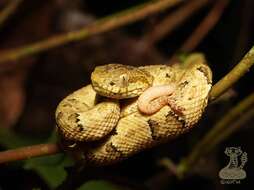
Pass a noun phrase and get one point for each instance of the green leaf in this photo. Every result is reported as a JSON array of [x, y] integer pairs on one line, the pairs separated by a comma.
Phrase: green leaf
[[182, 56], [50, 168], [98, 185]]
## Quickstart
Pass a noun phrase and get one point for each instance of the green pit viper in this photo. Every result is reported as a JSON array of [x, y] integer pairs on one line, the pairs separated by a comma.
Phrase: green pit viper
[[127, 109]]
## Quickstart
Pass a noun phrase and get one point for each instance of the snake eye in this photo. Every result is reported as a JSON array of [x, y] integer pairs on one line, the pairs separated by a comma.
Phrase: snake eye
[[124, 78]]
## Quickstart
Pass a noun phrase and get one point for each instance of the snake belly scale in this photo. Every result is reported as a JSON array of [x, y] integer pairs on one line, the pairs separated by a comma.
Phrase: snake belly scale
[[106, 127]]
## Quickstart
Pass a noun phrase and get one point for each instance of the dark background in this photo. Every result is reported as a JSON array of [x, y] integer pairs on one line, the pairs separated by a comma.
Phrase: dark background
[[31, 88]]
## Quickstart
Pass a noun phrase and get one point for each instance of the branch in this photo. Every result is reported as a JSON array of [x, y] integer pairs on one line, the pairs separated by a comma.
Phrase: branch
[[203, 29], [175, 19], [8, 10], [99, 26], [219, 132], [249, 114], [233, 76], [170, 165], [28, 152]]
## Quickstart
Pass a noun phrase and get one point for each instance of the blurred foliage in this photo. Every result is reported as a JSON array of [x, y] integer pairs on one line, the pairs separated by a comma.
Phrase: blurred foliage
[[50, 168], [98, 185], [10, 140]]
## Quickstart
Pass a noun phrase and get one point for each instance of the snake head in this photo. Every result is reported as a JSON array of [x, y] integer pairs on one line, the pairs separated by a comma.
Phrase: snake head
[[120, 81]]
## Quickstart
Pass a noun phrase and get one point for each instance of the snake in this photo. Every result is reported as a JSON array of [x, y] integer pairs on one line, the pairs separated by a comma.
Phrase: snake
[[129, 109]]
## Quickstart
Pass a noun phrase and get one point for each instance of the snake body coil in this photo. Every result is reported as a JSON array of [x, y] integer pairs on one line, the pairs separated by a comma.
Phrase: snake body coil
[[107, 128]]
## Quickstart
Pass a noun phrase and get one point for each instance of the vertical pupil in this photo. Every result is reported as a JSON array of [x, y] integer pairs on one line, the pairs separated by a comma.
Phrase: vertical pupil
[[124, 80]]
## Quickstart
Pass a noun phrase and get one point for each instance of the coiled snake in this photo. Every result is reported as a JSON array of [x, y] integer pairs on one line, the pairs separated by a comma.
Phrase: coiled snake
[[107, 122]]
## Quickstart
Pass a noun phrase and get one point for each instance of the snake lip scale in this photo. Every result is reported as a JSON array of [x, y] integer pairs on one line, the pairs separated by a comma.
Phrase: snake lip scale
[[128, 109]]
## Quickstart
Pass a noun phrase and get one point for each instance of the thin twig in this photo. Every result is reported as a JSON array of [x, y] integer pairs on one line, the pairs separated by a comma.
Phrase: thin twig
[[102, 25], [247, 116], [28, 152], [219, 132], [174, 20], [169, 164], [9, 10], [203, 28], [233, 76], [245, 29]]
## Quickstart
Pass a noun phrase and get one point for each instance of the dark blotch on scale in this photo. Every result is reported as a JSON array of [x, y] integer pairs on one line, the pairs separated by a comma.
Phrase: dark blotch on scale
[[81, 127], [111, 148], [59, 116], [167, 75], [183, 84], [177, 117], [153, 126], [205, 72], [77, 119], [112, 83]]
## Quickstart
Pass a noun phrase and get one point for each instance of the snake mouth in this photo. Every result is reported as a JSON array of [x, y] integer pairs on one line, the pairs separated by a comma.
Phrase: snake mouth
[[117, 92]]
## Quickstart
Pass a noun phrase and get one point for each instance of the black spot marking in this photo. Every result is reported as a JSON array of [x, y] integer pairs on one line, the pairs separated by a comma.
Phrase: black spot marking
[[59, 115], [183, 84], [114, 132], [74, 117], [179, 118], [167, 75], [67, 105], [112, 83], [154, 125], [205, 72], [77, 119], [81, 127], [112, 148], [73, 100]]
